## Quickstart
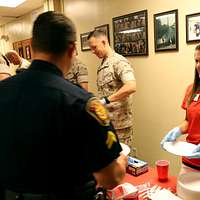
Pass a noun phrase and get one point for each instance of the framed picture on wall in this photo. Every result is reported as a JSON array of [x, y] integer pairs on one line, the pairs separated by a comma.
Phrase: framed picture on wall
[[166, 31], [105, 29], [130, 34], [16, 45], [28, 52], [193, 28], [21, 52], [84, 41]]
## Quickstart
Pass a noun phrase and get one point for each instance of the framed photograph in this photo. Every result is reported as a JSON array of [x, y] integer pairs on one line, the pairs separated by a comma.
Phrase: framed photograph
[[193, 28], [166, 31], [21, 52], [28, 52], [84, 41], [130, 34], [105, 29]]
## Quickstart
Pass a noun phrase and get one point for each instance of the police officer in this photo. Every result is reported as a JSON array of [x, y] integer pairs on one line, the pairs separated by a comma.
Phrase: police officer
[[56, 140], [115, 83]]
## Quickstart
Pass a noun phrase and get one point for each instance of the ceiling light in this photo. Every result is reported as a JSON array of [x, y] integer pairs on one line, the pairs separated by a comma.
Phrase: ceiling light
[[11, 3]]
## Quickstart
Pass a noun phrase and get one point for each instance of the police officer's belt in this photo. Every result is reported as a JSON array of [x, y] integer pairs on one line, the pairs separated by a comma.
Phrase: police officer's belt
[[86, 192], [27, 196]]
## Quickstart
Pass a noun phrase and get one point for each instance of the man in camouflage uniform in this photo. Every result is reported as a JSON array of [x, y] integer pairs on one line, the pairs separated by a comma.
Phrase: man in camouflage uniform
[[78, 74], [116, 83]]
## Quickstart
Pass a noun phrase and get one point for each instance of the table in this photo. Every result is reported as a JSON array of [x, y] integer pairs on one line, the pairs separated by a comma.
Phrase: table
[[151, 176]]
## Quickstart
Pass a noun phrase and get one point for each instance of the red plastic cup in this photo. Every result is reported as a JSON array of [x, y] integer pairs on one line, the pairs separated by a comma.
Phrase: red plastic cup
[[162, 169]]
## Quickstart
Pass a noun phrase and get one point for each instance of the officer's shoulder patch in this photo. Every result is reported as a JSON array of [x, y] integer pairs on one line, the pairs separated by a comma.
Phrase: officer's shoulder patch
[[111, 138], [98, 111]]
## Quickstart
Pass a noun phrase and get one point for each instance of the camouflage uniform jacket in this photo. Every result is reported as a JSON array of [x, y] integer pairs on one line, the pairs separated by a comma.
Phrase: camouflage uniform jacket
[[113, 73], [78, 73]]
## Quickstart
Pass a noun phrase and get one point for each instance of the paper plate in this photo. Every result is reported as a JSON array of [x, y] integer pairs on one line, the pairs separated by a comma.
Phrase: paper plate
[[188, 186], [125, 149], [179, 148]]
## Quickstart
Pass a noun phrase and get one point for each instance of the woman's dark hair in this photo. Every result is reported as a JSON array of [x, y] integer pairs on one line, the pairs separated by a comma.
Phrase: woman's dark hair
[[196, 80]]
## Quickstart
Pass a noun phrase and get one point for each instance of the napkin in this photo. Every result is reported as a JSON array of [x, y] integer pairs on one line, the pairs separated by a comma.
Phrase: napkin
[[164, 194]]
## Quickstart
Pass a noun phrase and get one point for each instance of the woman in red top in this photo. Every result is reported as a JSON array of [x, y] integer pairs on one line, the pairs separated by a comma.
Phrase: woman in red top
[[191, 124]]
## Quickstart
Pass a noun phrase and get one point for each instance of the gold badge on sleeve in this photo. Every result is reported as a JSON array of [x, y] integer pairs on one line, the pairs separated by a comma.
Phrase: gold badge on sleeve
[[111, 138], [98, 111]]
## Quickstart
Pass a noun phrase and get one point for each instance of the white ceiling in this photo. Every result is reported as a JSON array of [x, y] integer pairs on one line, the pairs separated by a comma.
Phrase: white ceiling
[[9, 14]]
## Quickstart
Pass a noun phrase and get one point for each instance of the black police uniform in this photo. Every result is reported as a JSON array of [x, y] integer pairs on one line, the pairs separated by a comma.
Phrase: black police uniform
[[49, 142]]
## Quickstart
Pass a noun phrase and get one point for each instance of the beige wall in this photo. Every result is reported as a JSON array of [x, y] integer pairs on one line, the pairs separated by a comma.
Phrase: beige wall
[[161, 77]]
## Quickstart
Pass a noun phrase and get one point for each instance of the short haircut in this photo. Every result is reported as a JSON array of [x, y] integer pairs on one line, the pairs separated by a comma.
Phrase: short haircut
[[52, 33], [96, 34]]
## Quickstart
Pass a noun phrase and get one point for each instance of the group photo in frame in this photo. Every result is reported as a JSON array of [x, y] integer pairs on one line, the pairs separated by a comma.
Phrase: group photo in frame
[[105, 29], [193, 27], [130, 34], [84, 41], [166, 31]]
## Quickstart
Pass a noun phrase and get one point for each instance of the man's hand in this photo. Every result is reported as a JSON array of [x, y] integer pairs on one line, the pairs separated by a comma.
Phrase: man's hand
[[104, 100], [113, 174], [171, 136], [123, 160]]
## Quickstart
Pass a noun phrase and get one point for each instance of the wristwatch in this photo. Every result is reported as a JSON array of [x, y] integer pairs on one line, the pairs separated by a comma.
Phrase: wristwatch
[[106, 100]]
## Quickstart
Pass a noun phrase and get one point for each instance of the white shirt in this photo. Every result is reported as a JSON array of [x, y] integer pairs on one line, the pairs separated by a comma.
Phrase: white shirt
[[25, 64]]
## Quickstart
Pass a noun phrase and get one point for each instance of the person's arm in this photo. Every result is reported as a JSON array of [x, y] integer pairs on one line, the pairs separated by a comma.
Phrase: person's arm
[[84, 85], [112, 175], [176, 132], [127, 89], [184, 126], [4, 76], [125, 74], [81, 74], [104, 150]]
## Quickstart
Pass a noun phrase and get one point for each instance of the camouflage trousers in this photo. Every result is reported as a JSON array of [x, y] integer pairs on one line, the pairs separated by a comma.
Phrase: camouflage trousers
[[125, 136]]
